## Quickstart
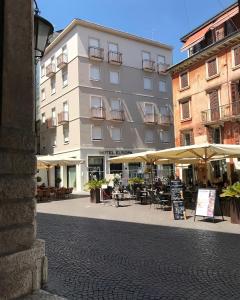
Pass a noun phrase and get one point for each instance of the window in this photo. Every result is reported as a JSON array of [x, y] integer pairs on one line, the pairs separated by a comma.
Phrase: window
[[236, 56], [94, 43], [64, 49], [96, 101], [66, 134], [43, 94], [54, 140], [94, 73], [43, 118], [214, 105], [162, 86], [212, 68], [164, 136], [147, 83], [146, 55], [64, 77], [149, 136], [113, 47], [116, 105], [54, 113], [114, 77], [53, 60], [42, 70], [186, 138], [161, 59], [185, 109], [96, 133], [148, 108], [53, 86], [116, 134], [184, 80], [65, 107]]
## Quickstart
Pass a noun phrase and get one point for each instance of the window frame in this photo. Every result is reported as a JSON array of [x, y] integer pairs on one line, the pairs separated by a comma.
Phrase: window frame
[[96, 66], [165, 85], [182, 101], [96, 140], [43, 94], [145, 140], [234, 66], [43, 118], [151, 83], [97, 96], [120, 133], [111, 71], [180, 81], [66, 141], [167, 141], [93, 38], [43, 70], [64, 71], [206, 66], [53, 79]]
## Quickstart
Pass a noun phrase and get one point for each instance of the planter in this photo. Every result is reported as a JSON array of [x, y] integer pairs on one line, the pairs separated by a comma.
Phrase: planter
[[225, 206], [95, 195], [235, 210]]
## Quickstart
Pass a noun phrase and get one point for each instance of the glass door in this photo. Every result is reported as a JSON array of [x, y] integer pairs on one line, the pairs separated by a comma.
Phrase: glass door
[[71, 177]]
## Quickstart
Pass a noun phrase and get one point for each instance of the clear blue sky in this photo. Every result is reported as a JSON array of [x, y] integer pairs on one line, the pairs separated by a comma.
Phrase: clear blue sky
[[162, 20]]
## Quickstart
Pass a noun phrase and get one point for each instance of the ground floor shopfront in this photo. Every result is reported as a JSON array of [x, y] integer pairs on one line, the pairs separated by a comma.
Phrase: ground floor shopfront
[[97, 166]]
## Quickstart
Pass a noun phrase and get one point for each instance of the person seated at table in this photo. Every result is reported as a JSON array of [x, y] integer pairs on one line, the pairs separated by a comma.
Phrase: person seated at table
[[158, 185], [42, 186]]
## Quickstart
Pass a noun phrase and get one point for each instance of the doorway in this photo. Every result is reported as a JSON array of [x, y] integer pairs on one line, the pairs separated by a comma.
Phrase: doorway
[[71, 177]]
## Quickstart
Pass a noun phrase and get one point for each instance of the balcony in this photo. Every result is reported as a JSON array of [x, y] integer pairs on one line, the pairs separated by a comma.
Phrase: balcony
[[117, 115], [230, 111], [162, 68], [98, 112], [51, 122], [211, 116], [165, 120], [150, 118], [62, 60], [63, 117], [115, 58], [148, 65], [96, 53], [50, 70]]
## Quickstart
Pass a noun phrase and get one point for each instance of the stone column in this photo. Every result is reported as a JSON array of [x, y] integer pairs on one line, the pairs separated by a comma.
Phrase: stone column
[[22, 257]]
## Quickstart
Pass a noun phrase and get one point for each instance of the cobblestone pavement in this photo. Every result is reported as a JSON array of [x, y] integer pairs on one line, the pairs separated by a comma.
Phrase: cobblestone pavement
[[101, 259]]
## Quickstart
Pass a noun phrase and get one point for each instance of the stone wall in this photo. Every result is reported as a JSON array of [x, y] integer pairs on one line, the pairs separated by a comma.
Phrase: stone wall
[[22, 258]]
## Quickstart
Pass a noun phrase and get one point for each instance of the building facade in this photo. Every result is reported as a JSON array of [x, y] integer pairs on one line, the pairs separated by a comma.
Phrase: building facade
[[103, 93], [206, 87]]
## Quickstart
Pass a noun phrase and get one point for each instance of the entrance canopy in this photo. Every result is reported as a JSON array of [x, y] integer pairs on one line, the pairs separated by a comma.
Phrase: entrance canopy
[[48, 161], [135, 157]]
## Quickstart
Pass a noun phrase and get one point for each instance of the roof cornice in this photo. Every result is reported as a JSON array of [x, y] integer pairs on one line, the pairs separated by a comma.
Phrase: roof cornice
[[87, 24]]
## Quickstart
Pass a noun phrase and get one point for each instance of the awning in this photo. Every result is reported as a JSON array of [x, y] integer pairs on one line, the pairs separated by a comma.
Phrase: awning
[[196, 38], [225, 17], [48, 161]]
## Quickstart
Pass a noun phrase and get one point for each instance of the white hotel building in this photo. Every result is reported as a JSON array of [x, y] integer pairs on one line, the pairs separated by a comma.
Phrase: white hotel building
[[103, 93]]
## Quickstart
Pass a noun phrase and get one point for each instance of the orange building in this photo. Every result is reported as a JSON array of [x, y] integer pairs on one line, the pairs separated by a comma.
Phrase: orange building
[[206, 88]]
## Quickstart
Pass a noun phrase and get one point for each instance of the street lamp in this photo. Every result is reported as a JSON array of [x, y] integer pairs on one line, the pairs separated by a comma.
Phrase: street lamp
[[42, 30]]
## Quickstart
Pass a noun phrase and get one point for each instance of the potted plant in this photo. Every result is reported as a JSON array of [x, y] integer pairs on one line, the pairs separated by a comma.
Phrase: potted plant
[[39, 179], [58, 181], [232, 192], [94, 187]]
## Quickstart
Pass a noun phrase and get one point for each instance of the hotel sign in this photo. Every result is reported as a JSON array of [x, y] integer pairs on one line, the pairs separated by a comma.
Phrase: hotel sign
[[115, 152]]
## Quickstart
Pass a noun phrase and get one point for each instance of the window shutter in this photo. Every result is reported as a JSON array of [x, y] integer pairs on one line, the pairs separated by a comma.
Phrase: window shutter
[[219, 32], [237, 56], [184, 80], [210, 135], [185, 110], [236, 135], [191, 137], [233, 91], [214, 105], [212, 67], [181, 139]]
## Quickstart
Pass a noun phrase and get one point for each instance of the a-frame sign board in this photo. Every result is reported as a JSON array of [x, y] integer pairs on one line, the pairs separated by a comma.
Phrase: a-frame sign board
[[207, 203]]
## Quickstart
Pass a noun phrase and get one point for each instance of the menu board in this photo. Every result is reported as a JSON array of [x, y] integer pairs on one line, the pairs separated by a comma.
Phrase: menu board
[[205, 202], [177, 200]]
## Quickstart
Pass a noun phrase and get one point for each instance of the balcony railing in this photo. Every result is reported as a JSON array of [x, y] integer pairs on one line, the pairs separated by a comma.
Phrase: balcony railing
[[62, 60], [115, 57], [150, 118], [50, 70], [117, 115], [51, 122], [162, 68], [231, 110], [148, 65], [98, 112], [63, 117], [96, 53], [210, 116], [165, 120]]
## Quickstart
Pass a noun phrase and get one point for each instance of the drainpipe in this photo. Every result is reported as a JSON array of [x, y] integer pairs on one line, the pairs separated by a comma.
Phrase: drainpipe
[[1, 54]]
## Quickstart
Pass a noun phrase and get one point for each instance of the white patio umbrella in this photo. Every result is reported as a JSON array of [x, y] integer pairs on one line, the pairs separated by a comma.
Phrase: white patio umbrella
[[49, 161]]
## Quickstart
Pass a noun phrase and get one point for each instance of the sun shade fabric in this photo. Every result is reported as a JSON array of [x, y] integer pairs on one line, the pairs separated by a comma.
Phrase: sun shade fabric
[[47, 161], [219, 21], [196, 38]]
